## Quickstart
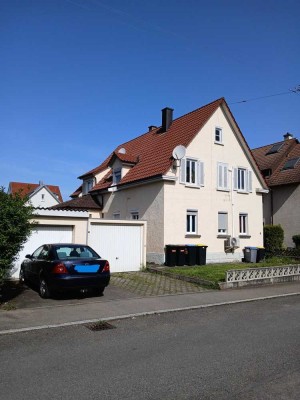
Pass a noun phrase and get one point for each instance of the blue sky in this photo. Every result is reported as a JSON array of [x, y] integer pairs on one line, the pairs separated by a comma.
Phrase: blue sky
[[79, 77]]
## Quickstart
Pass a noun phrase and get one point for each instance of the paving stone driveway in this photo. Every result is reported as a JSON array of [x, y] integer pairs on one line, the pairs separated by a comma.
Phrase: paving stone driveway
[[151, 284], [122, 286]]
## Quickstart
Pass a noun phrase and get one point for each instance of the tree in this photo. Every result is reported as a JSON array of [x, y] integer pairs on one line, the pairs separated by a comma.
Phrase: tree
[[15, 227]]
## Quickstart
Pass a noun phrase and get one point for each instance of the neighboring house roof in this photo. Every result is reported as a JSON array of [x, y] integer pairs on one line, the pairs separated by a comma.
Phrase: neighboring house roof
[[152, 151], [77, 192], [273, 158], [28, 189], [80, 203]]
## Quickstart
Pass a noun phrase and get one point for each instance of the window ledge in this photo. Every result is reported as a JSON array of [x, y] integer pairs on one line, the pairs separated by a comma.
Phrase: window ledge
[[224, 236], [191, 235], [219, 143], [245, 236], [223, 190], [243, 192], [192, 186]]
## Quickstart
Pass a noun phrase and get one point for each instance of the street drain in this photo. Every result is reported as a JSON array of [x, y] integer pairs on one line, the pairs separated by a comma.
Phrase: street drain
[[99, 326]]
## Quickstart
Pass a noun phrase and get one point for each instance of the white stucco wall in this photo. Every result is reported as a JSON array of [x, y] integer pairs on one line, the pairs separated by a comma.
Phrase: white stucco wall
[[43, 198], [148, 201], [286, 211], [208, 200]]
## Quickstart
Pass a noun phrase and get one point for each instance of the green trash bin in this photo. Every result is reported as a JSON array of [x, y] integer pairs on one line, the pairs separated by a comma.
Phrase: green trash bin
[[190, 254], [201, 254]]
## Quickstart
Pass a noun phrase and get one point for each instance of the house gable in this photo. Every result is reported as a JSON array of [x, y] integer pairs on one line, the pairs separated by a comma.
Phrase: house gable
[[40, 195]]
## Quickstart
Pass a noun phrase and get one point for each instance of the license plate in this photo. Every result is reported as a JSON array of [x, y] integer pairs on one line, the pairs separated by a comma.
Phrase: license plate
[[86, 268]]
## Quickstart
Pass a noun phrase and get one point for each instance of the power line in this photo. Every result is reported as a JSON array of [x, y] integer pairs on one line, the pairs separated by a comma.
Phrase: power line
[[295, 90]]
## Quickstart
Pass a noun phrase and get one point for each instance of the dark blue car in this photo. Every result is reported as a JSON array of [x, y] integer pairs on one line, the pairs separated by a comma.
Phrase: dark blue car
[[65, 266]]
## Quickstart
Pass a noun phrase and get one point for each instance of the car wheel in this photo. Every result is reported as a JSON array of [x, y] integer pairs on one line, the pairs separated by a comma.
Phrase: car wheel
[[99, 291], [44, 289]]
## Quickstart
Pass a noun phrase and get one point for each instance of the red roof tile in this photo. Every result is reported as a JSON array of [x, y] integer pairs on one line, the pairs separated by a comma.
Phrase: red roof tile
[[80, 203], [275, 162], [154, 149], [26, 189]]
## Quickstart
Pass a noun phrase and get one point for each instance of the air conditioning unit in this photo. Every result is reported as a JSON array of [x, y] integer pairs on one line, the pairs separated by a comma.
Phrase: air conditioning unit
[[234, 242]]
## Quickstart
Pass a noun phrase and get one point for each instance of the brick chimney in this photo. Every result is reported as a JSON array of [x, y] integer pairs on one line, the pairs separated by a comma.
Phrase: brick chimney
[[288, 136], [167, 118]]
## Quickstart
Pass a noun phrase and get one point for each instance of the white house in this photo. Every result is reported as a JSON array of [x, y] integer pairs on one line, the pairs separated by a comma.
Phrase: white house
[[39, 195], [193, 179]]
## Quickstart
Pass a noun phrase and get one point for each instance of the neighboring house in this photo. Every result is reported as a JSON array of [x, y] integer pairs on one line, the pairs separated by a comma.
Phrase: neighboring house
[[280, 165], [39, 195], [193, 179]]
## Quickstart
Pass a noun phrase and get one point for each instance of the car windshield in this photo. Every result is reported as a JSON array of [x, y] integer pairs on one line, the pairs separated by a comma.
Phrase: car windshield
[[75, 251]]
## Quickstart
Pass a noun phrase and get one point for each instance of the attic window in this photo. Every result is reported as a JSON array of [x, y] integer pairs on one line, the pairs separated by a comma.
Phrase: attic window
[[87, 186], [290, 164], [266, 173], [275, 148], [116, 176]]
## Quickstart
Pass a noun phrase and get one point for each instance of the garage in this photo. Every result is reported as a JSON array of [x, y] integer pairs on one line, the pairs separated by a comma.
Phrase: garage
[[40, 235], [122, 243]]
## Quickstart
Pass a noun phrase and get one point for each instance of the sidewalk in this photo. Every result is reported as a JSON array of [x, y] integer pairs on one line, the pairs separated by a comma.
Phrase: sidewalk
[[101, 309]]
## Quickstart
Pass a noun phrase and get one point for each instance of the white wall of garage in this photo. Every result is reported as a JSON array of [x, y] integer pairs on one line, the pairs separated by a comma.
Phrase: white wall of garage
[[122, 243]]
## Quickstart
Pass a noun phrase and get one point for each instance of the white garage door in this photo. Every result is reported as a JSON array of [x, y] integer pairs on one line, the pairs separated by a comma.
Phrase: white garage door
[[120, 244], [40, 235]]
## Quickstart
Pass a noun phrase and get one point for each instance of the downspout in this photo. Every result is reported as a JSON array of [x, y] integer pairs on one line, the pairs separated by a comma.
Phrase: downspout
[[232, 203], [272, 206]]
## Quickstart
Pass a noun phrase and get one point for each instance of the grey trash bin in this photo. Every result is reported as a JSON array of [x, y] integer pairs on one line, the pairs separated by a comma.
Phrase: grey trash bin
[[250, 254]]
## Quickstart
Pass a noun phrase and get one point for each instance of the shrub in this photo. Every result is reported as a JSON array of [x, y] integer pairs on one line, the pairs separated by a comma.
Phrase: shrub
[[15, 227], [296, 240], [273, 238]]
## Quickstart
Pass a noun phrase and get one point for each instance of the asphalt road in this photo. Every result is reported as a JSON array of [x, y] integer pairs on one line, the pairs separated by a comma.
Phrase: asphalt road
[[241, 351]]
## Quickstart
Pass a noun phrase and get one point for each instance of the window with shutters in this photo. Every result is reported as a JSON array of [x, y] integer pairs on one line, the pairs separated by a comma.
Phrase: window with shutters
[[192, 172], [222, 178], [242, 178], [222, 223]]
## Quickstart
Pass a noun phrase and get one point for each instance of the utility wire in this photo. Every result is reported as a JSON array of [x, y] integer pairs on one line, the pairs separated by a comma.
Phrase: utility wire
[[294, 90]]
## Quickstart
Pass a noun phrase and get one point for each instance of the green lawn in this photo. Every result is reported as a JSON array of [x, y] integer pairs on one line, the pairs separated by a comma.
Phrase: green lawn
[[216, 272]]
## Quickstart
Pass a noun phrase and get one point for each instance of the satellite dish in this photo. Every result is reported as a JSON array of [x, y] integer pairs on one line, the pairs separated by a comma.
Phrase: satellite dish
[[179, 152], [122, 150]]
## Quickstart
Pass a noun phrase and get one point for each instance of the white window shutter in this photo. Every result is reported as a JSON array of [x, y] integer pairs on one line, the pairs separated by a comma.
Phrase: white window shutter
[[220, 176], [225, 176], [182, 178], [200, 180], [235, 179], [249, 181]]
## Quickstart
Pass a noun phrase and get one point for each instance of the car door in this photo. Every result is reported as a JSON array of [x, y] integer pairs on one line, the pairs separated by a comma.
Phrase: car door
[[40, 262], [29, 264]]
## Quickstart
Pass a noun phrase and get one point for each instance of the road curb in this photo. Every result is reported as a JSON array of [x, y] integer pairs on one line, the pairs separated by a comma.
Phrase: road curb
[[145, 313]]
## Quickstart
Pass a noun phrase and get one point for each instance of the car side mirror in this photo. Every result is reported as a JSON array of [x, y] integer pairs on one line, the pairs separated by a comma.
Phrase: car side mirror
[[28, 256]]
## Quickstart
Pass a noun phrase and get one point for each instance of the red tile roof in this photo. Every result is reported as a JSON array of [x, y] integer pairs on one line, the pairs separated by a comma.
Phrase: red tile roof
[[80, 203], [77, 192], [153, 149], [96, 170], [26, 189], [275, 162]]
